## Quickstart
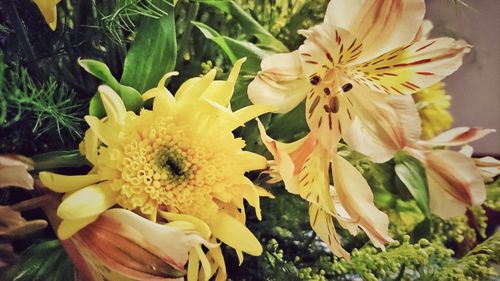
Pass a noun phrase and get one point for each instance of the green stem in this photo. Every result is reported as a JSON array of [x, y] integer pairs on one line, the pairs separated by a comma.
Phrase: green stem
[[186, 35]]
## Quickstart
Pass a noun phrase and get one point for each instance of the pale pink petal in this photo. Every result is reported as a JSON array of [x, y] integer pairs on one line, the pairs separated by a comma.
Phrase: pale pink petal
[[380, 25], [458, 176], [383, 125], [458, 136], [280, 83], [357, 198], [413, 67]]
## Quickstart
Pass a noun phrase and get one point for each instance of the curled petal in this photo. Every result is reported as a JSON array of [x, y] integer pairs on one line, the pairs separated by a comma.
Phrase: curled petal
[[357, 199], [454, 183], [87, 202], [48, 8], [380, 25], [63, 183], [458, 136], [281, 82]]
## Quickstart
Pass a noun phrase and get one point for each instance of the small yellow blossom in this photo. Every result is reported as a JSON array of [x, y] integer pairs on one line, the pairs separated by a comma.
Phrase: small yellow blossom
[[433, 104]]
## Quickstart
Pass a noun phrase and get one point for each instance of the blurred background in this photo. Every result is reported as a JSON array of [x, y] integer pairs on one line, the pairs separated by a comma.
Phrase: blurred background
[[475, 87]]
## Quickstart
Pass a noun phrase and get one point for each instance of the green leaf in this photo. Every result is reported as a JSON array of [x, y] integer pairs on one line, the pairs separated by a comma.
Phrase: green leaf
[[249, 24], [43, 261], [59, 159], [236, 49], [411, 172], [130, 96], [153, 52]]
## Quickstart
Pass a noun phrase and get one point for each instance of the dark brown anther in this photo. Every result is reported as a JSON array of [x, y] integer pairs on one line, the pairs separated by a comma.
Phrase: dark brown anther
[[327, 91], [347, 87], [315, 80]]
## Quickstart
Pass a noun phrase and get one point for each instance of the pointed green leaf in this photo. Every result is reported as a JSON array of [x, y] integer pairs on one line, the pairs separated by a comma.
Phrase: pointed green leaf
[[153, 52], [412, 173], [249, 24], [236, 49]]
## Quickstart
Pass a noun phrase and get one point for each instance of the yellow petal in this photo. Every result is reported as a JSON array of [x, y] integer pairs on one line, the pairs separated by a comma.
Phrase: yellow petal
[[220, 92], [235, 234], [236, 70], [64, 183], [250, 112], [205, 265], [195, 88], [107, 131], [70, 227], [87, 202], [160, 89], [89, 146], [193, 266], [251, 161], [48, 8], [200, 226], [163, 104], [113, 104]]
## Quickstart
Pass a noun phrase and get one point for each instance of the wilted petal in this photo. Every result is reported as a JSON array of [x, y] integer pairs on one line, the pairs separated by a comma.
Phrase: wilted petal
[[454, 182], [14, 171], [488, 166], [49, 11], [380, 25], [280, 83], [159, 251], [382, 125], [357, 198], [409, 69], [458, 136]]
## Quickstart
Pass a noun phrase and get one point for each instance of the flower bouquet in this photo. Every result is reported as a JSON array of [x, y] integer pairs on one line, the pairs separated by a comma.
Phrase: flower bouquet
[[237, 140]]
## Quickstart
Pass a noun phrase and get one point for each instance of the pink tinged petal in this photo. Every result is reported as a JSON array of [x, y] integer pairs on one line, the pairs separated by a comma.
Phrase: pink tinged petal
[[380, 25], [489, 167], [159, 251], [413, 67], [357, 198], [458, 176], [281, 82], [424, 31], [289, 158], [382, 125], [322, 224], [458, 136]]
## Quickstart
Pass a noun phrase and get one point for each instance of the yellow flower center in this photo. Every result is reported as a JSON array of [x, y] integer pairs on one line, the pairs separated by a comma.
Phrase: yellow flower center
[[164, 167]]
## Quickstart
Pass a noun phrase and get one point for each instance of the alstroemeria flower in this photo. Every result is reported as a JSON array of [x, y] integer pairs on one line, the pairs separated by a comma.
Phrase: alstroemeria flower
[[48, 8], [304, 168], [178, 161], [487, 165], [454, 181], [351, 65]]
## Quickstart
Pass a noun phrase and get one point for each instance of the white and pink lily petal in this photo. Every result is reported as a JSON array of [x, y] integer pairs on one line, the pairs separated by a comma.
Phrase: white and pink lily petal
[[487, 165], [457, 137]]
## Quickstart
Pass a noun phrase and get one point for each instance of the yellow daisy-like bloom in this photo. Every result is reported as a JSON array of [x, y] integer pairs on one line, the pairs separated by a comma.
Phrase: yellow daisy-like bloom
[[433, 104], [177, 162]]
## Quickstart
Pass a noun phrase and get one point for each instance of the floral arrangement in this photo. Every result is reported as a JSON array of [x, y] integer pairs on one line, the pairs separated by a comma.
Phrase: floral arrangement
[[237, 140]]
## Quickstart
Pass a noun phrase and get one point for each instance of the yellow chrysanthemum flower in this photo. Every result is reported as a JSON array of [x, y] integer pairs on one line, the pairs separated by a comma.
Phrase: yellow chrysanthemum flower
[[433, 104], [177, 162]]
